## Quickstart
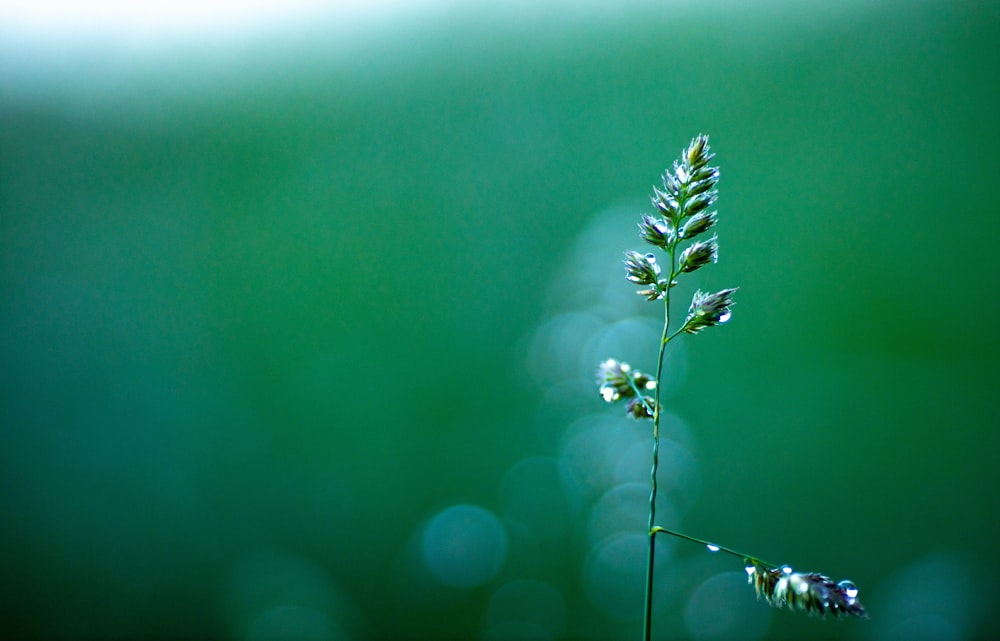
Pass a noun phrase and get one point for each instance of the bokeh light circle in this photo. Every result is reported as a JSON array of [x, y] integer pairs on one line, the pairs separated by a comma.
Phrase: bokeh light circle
[[624, 509], [554, 352], [940, 596], [723, 609], [526, 609], [614, 575], [464, 546], [678, 473], [532, 494], [272, 594], [591, 450], [294, 622]]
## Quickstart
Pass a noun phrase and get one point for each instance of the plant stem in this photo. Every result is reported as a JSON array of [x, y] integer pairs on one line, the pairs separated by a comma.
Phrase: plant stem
[[715, 547], [647, 614]]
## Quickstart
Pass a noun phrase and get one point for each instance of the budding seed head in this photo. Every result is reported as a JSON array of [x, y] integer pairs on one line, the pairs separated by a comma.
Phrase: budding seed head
[[809, 592], [699, 254], [656, 231], [709, 309], [698, 224], [641, 268]]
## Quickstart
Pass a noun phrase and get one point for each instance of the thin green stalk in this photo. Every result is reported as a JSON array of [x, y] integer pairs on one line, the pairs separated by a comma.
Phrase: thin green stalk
[[713, 547], [647, 614]]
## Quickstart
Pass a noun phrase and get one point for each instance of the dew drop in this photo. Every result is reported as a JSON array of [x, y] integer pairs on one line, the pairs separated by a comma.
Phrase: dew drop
[[651, 258], [661, 227], [712, 547], [609, 393], [849, 589], [751, 570], [786, 569], [650, 385], [725, 316]]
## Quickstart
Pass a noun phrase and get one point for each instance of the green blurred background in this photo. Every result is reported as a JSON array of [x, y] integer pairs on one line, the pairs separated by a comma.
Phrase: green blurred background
[[298, 325]]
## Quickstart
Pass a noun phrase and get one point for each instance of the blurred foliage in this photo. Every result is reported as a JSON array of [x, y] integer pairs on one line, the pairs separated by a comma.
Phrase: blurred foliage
[[275, 303]]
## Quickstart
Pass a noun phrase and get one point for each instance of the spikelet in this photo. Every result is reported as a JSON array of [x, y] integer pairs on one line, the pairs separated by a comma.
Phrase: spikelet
[[805, 591]]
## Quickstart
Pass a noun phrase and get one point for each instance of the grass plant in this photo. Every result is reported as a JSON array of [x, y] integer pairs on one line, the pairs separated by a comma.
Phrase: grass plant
[[684, 215]]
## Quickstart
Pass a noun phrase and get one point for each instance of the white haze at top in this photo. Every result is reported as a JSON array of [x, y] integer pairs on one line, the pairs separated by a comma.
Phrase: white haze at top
[[151, 23], [154, 22], [61, 52]]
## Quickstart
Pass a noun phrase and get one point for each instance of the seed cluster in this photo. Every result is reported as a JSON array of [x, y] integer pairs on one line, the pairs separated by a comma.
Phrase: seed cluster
[[805, 591]]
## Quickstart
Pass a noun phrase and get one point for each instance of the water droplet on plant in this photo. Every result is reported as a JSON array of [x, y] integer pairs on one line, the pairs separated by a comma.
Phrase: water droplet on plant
[[650, 384], [751, 569], [609, 393], [661, 227], [725, 316], [712, 547], [849, 589], [786, 569]]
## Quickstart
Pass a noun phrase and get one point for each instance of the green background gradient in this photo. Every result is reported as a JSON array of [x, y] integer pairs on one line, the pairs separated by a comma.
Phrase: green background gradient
[[270, 309]]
